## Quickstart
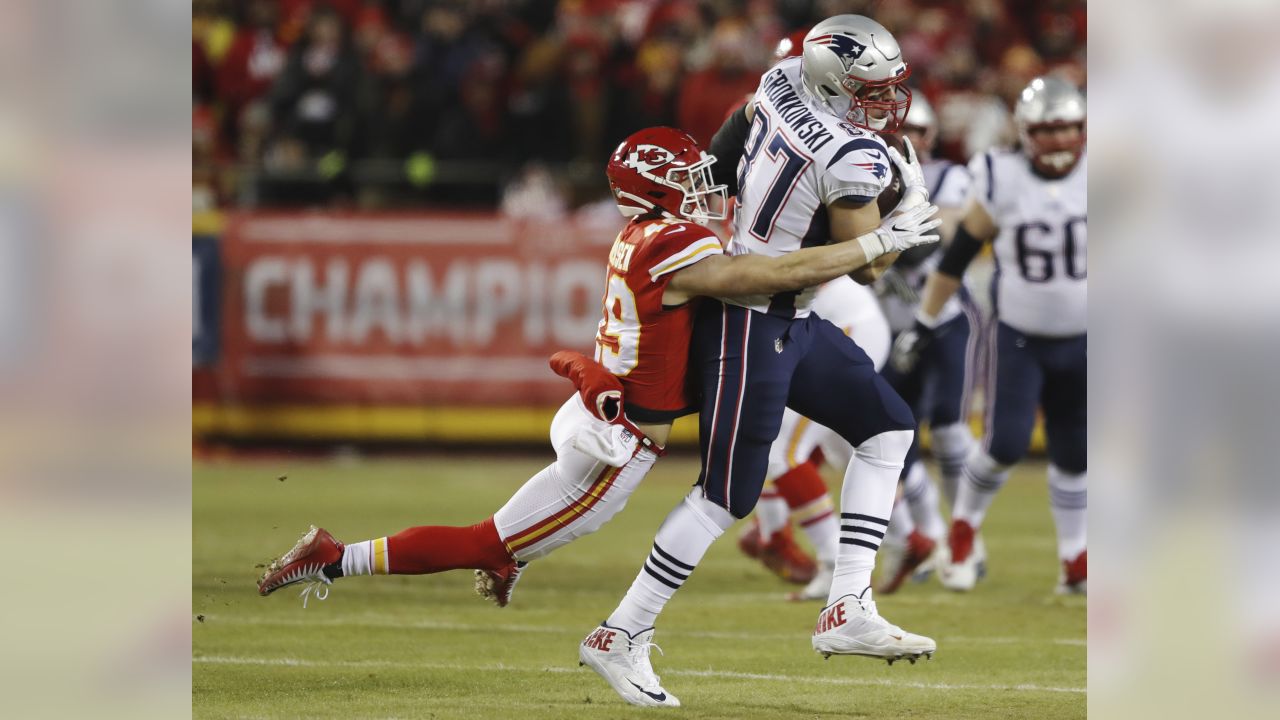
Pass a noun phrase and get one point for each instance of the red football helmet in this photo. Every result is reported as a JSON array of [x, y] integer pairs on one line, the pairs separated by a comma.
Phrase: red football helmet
[[663, 169]]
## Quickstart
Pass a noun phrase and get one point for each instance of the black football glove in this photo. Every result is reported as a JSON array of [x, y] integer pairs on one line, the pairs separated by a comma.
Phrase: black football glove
[[910, 346]]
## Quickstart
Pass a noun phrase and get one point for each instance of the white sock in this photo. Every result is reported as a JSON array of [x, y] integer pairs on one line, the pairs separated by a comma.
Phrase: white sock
[[360, 558], [773, 514], [900, 524], [983, 478], [681, 542], [866, 502], [1068, 498], [921, 496], [951, 445], [823, 532]]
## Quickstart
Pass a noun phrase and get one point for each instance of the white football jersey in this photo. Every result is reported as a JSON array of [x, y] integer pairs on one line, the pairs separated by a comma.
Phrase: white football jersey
[[797, 159], [1041, 251], [948, 185]]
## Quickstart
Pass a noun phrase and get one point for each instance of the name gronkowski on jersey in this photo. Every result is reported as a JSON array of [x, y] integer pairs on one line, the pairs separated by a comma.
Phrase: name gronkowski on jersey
[[948, 185], [796, 161], [643, 343], [1041, 251]]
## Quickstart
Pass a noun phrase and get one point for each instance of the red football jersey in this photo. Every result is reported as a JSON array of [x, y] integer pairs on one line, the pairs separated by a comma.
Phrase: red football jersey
[[640, 341]]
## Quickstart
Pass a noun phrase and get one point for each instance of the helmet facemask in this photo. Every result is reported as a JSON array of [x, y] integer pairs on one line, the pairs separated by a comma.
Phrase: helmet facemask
[[1053, 157], [697, 184], [891, 100]]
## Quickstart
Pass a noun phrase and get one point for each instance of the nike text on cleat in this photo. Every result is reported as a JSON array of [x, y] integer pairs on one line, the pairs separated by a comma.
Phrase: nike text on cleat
[[499, 585], [305, 562], [623, 661], [851, 626]]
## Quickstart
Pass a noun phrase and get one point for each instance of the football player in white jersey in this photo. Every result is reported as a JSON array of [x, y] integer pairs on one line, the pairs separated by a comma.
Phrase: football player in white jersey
[[937, 387], [810, 174], [794, 489], [1032, 205]]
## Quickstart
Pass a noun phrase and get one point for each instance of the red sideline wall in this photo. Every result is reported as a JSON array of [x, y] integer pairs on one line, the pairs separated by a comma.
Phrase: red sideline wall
[[393, 326]]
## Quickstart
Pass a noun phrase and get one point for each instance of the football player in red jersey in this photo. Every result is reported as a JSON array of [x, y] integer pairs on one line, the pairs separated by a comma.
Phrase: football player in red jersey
[[609, 434]]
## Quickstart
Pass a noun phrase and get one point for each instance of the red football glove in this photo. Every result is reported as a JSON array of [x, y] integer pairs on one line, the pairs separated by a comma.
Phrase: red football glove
[[600, 389]]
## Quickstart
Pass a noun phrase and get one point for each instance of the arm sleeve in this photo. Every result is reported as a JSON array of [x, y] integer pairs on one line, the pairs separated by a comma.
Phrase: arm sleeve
[[962, 250], [727, 147]]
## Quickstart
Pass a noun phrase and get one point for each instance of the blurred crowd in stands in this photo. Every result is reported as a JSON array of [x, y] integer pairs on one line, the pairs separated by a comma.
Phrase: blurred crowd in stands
[[430, 103]]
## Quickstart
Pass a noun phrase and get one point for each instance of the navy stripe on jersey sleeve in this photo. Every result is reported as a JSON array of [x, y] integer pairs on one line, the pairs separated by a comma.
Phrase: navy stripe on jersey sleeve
[[991, 177], [856, 144], [942, 179]]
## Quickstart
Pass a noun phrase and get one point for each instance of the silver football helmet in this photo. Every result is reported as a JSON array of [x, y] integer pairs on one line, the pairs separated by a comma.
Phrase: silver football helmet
[[1047, 103], [853, 67]]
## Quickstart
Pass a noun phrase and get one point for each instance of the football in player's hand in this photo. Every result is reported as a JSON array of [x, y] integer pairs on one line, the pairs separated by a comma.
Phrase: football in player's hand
[[892, 194]]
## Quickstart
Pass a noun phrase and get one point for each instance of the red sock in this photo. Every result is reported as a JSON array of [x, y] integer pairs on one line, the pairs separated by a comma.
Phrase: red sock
[[801, 485], [436, 548]]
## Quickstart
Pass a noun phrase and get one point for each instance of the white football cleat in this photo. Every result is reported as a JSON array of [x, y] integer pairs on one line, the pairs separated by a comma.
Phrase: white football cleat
[[819, 587], [851, 626], [623, 661]]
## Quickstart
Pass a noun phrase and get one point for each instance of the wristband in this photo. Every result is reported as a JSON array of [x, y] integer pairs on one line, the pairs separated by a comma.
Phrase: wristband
[[873, 244]]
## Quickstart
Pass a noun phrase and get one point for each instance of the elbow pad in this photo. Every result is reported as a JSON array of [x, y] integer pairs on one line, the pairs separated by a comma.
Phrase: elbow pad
[[962, 250], [727, 146], [600, 390]]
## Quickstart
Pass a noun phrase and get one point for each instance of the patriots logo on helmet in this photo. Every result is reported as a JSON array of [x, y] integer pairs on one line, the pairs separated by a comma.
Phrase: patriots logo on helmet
[[647, 157], [845, 48]]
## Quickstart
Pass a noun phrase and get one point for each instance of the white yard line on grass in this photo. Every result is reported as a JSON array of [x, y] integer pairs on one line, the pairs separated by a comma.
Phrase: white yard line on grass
[[723, 674], [369, 621]]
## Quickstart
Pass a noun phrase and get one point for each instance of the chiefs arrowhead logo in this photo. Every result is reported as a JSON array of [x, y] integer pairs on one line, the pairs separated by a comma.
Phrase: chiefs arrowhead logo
[[647, 157]]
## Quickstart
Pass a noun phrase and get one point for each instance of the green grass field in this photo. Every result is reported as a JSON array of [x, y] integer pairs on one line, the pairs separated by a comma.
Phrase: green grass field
[[427, 647]]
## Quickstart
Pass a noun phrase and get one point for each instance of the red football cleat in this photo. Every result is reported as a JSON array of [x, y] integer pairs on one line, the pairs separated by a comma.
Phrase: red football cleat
[[961, 541], [749, 541], [786, 559], [304, 563], [498, 585], [780, 554], [919, 548], [1075, 576]]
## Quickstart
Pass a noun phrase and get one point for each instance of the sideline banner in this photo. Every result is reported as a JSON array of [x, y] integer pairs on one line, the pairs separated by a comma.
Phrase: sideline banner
[[404, 309]]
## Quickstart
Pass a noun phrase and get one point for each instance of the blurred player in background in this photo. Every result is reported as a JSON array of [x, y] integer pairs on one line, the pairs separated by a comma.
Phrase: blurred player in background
[[938, 384], [810, 173], [1031, 204], [608, 435]]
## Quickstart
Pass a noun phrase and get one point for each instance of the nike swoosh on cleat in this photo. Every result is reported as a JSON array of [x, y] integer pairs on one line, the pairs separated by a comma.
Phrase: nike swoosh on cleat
[[656, 696]]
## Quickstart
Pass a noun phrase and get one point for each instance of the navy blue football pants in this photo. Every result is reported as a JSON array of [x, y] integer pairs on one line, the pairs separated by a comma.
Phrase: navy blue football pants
[[752, 366], [1029, 372]]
